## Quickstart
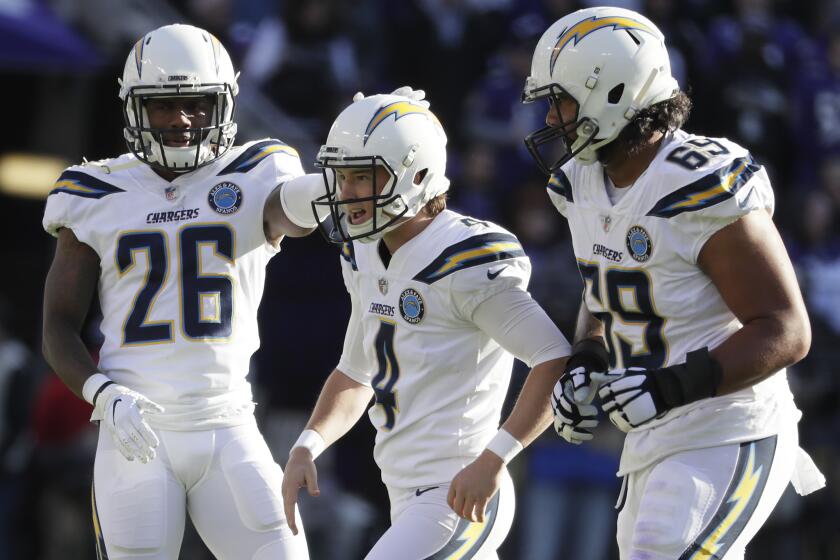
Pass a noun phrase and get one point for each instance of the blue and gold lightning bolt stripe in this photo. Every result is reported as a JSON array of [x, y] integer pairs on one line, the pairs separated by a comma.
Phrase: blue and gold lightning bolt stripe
[[468, 536], [399, 109], [251, 157], [349, 254], [474, 251], [560, 184], [751, 472], [101, 552], [583, 28], [138, 56], [82, 184], [710, 190]]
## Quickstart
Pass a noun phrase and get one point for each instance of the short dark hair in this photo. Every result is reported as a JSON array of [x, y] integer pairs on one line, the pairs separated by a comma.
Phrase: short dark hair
[[664, 116]]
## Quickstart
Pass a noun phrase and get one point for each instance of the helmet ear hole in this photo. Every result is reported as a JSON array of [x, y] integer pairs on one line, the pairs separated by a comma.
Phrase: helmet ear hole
[[614, 96], [420, 175]]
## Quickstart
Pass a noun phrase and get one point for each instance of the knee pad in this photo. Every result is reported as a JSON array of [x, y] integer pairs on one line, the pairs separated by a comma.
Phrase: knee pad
[[133, 519], [673, 510], [255, 481]]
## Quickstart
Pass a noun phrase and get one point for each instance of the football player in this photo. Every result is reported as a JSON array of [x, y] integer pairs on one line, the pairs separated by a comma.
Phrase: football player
[[439, 310], [174, 238], [691, 311]]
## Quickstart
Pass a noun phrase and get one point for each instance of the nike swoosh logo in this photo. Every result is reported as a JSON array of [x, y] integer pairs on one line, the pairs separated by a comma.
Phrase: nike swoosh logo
[[493, 275], [114, 407], [419, 492]]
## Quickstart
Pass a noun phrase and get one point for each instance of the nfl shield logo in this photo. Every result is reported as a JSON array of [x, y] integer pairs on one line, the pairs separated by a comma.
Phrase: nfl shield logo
[[383, 286], [171, 192]]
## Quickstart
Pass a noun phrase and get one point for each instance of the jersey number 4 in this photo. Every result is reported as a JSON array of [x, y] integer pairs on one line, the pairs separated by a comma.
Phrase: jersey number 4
[[387, 374], [629, 302], [206, 299]]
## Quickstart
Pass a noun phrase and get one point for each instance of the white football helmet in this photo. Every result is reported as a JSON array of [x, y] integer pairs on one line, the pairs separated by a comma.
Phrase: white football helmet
[[178, 61], [612, 62], [393, 132]]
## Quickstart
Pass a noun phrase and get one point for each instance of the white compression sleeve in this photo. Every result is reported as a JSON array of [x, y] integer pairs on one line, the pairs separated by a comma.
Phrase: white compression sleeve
[[296, 196], [518, 323]]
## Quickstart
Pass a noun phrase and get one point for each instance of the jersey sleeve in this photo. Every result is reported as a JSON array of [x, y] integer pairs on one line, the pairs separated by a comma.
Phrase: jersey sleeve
[[72, 202], [517, 322], [469, 288], [353, 362], [559, 190], [266, 164], [714, 196]]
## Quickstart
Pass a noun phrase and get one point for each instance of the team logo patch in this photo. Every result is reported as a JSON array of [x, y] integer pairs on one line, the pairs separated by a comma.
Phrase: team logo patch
[[225, 198], [639, 243], [411, 306]]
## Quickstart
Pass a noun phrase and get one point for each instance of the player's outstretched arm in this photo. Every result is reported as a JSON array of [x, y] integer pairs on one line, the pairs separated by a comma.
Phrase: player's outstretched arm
[[288, 209], [340, 405], [71, 283]]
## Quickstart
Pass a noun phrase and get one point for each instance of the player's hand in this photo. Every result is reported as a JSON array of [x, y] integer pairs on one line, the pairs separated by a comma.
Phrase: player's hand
[[300, 471], [573, 421], [635, 396], [416, 95], [632, 397], [121, 410], [473, 487]]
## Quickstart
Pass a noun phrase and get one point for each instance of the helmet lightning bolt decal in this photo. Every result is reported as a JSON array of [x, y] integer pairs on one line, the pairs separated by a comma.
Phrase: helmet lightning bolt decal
[[583, 28], [399, 109]]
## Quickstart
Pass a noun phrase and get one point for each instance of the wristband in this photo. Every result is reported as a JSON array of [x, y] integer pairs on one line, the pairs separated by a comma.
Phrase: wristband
[[504, 445], [94, 385], [311, 440], [698, 378]]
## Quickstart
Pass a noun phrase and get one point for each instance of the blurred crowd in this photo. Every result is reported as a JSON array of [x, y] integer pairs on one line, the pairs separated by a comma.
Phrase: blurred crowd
[[765, 73]]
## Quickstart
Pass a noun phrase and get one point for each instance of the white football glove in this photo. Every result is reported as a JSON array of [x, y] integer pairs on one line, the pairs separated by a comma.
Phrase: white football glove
[[634, 396], [416, 95], [573, 421], [121, 410], [630, 397]]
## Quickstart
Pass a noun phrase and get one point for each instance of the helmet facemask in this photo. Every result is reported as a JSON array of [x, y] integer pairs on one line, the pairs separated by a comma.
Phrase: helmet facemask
[[556, 143], [389, 209], [207, 143]]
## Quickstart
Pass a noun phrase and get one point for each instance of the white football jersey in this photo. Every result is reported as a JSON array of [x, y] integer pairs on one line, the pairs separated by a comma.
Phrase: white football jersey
[[439, 380], [638, 261], [182, 271]]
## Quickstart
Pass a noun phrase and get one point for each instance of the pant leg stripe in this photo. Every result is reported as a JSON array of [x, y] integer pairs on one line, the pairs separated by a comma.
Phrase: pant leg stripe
[[751, 472], [101, 552], [468, 537]]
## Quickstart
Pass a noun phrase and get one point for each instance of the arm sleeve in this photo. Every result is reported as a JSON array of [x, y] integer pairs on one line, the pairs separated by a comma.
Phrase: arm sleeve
[[296, 196], [353, 362], [67, 211], [517, 322]]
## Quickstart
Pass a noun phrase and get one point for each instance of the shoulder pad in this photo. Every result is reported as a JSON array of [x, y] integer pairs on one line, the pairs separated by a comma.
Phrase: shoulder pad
[[255, 152], [473, 251]]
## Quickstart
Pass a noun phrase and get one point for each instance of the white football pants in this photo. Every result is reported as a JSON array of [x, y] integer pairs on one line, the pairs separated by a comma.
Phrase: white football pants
[[424, 527], [705, 503], [224, 478]]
